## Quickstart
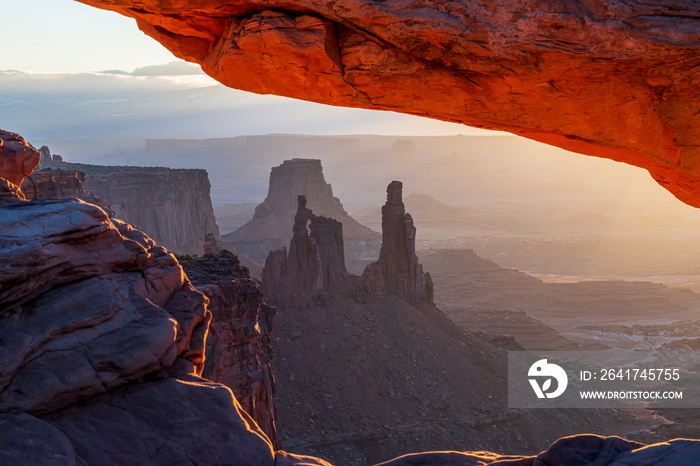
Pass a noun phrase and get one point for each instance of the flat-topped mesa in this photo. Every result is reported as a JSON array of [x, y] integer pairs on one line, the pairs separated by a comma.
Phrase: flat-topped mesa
[[314, 263], [294, 177], [398, 268]]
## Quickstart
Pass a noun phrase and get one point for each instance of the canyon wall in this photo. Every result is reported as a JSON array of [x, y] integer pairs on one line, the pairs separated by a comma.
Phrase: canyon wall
[[272, 225], [172, 205], [238, 348]]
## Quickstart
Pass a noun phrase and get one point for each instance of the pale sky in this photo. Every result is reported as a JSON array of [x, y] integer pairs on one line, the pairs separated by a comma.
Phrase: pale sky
[[67, 36]]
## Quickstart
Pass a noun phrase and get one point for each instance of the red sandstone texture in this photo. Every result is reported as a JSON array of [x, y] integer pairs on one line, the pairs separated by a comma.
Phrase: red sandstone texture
[[600, 77], [238, 349], [18, 159]]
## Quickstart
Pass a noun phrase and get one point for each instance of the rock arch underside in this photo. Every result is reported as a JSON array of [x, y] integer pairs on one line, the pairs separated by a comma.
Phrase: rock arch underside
[[610, 78]]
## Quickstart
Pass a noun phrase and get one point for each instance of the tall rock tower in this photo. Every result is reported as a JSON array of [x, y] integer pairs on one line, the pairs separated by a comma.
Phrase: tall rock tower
[[314, 263], [398, 271]]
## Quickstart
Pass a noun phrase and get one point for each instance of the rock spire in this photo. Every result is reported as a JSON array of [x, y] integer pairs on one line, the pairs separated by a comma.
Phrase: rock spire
[[398, 272], [314, 263]]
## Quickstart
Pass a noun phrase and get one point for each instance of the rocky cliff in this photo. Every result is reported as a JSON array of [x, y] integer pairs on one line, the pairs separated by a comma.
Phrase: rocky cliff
[[550, 71], [314, 264], [238, 349], [173, 206], [57, 184], [102, 342], [273, 222]]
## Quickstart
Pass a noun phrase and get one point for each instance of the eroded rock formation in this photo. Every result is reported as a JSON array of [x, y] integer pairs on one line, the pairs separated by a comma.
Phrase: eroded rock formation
[[17, 158], [314, 264], [274, 218], [398, 272], [57, 184], [102, 341], [603, 78], [238, 350], [173, 206]]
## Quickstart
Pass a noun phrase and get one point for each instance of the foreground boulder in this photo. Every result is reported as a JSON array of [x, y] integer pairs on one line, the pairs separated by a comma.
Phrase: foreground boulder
[[605, 78]]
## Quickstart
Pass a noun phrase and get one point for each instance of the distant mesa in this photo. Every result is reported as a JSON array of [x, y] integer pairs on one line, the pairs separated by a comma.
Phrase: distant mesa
[[173, 68], [273, 221]]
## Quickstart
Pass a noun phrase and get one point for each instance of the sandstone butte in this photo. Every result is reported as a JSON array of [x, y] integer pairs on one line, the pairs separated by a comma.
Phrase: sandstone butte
[[600, 77]]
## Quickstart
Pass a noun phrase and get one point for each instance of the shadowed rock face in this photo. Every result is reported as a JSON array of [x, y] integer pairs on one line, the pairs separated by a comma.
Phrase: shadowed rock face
[[600, 77], [314, 265], [238, 350], [398, 272]]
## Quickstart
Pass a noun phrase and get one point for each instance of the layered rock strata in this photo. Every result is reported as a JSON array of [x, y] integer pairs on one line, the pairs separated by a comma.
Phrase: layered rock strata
[[314, 263], [274, 218], [102, 341], [605, 78], [56, 184], [398, 272], [238, 350], [173, 206]]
